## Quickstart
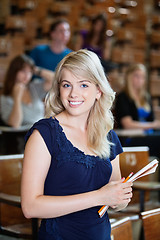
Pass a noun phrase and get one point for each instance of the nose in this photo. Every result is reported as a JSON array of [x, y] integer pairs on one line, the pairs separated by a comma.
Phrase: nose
[[74, 92]]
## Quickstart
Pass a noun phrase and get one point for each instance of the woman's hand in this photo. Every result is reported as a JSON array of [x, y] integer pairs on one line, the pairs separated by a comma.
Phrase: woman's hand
[[116, 194], [156, 124], [119, 207], [16, 115], [18, 91]]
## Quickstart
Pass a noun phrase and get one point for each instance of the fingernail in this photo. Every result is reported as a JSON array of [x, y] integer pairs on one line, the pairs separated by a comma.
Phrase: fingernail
[[123, 178]]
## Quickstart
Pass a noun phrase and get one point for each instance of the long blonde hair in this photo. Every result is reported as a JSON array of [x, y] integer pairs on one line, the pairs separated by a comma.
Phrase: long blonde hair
[[100, 120], [143, 94]]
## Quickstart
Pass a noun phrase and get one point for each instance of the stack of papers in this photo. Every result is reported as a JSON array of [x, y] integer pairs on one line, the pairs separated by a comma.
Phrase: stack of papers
[[148, 169]]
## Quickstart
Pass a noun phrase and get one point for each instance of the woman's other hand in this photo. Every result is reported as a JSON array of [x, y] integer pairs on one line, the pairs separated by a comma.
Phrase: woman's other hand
[[116, 194]]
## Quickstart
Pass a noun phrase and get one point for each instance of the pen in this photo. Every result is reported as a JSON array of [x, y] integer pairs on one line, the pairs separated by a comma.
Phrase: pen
[[128, 177], [103, 209]]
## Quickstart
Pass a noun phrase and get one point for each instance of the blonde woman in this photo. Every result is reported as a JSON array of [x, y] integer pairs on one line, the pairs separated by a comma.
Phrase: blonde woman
[[71, 162], [133, 108]]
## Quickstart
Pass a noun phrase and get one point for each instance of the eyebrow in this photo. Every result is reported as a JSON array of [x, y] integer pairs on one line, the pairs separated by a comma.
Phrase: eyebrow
[[81, 81]]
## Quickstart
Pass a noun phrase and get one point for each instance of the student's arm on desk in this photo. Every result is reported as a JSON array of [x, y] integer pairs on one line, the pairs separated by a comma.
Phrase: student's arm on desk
[[128, 123]]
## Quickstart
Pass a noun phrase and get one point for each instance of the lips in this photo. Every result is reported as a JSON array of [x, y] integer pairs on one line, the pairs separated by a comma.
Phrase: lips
[[75, 103]]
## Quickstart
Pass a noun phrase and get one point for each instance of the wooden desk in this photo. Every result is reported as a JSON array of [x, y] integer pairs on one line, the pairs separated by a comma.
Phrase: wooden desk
[[12, 139], [130, 132], [11, 129], [134, 159], [13, 222], [136, 133], [137, 137]]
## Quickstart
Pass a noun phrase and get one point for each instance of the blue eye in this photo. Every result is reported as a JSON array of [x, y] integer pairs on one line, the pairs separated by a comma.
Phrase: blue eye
[[66, 85], [84, 86]]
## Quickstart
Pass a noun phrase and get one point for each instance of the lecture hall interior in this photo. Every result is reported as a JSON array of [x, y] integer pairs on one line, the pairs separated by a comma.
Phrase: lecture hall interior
[[133, 33]]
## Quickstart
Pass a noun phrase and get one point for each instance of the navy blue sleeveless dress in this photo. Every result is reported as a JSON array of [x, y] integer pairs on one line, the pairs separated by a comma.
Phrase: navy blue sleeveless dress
[[73, 172]]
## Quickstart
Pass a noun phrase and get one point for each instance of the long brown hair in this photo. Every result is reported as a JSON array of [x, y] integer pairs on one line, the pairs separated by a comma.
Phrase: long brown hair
[[16, 64], [102, 35]]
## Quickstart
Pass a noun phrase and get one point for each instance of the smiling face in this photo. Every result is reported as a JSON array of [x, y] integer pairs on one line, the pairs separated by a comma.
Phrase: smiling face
[[78, 95]]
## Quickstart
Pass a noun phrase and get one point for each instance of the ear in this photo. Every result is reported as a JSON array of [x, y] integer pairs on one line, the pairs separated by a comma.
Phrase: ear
[[99, 93]]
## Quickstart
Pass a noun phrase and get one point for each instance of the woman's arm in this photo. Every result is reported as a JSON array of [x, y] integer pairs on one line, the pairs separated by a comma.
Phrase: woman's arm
[[116, 175], [128, 123], [16, 115], [127, 115], [47, 75], [35, 204]]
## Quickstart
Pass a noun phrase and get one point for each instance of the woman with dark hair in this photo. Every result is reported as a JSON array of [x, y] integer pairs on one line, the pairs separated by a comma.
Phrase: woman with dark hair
[[95, 39], [22, 99]]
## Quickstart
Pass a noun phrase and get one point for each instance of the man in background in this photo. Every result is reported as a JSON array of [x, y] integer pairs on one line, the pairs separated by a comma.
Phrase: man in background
[[49, 55]]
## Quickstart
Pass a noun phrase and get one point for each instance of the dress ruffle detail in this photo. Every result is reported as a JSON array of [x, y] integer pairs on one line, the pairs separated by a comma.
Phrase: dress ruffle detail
[[67, 152]]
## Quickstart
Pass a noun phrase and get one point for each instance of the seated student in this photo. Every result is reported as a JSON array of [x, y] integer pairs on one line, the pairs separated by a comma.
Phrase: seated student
[[22, 99], [48, 56], [133, 107], [95, 39]]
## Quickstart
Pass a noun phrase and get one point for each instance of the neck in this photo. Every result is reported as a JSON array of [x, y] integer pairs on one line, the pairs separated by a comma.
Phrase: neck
[[136, 96], [57, 47], [77, 122]]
